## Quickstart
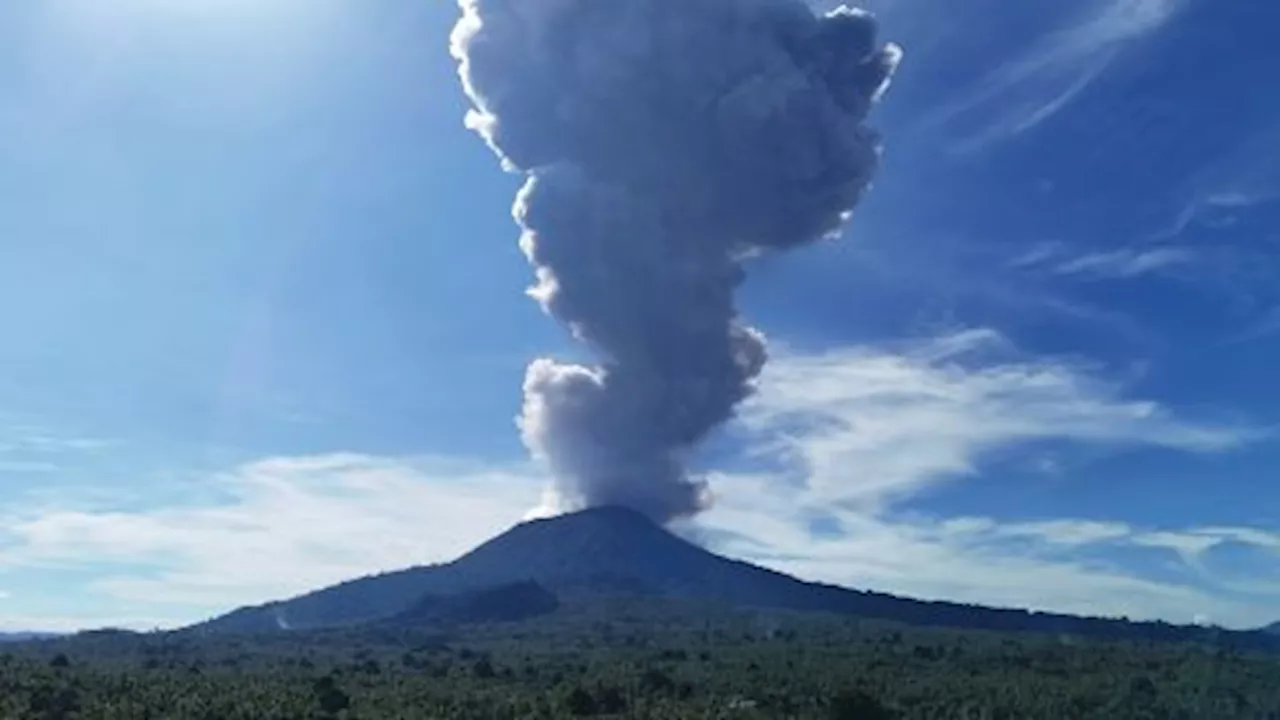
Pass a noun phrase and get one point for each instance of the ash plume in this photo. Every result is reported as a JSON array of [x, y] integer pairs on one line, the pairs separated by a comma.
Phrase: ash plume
[[663, 143]]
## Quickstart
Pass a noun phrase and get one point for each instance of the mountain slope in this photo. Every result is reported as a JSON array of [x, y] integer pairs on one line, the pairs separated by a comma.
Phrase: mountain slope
[[610, 551], [502, 603]]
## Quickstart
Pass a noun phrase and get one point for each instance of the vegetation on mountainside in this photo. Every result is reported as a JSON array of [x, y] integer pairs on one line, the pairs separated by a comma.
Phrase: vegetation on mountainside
[[635, 659]]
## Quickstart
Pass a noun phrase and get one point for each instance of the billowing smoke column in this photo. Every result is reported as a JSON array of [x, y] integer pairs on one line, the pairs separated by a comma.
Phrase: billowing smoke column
[[664, 142]]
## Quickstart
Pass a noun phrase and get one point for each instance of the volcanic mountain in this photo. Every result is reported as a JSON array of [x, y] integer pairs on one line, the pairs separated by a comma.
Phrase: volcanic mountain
[[610, 551], [619, 552]]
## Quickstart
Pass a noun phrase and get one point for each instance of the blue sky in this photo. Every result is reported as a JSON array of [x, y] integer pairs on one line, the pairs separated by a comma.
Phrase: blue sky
[[264, 322]]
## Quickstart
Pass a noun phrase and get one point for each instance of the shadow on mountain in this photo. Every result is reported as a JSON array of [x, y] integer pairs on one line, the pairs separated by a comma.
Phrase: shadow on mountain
[[502, 603]]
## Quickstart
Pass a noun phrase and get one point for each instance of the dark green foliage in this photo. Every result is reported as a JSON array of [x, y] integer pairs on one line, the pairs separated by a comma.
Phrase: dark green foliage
[[329, 697], [580, 702], [857, 705], [609, 700], [656, 682], [641, 659]]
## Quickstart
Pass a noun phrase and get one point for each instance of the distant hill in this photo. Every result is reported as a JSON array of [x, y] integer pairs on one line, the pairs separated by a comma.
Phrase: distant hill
[[613, 551], [108, 633], [502, 603], [16, 637]]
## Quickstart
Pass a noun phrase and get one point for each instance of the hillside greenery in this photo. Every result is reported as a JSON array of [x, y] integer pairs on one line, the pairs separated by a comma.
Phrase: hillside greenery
[[634, 659]]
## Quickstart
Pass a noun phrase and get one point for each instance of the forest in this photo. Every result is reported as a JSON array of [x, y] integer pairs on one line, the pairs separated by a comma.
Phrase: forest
[[625, 658]]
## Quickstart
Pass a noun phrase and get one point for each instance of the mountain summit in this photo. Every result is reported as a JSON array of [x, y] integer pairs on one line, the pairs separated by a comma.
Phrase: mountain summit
[[615, 551]]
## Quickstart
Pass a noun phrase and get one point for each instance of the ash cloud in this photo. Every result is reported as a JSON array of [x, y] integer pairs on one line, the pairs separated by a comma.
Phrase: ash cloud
[[664, 142]]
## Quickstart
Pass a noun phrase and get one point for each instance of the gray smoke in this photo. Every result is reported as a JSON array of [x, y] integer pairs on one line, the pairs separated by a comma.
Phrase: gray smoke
[[664, 142]]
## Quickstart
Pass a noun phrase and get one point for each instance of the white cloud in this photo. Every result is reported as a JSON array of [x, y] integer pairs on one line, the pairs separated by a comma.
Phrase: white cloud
[[1123, 263], [1241, 179], [1066, 533], [1239, 198], [37, 439], [1038, 255], [1035, 86], [864, 431], [1126, 263], [1043, 566], [289, 525], [1189, 545], [73, 622], [867, 426], [1248, 536], [1197, 546], [963, 559], [26, 449]]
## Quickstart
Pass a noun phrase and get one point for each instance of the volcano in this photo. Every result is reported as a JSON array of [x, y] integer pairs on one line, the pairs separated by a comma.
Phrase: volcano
[[601, 551], [619, 552]]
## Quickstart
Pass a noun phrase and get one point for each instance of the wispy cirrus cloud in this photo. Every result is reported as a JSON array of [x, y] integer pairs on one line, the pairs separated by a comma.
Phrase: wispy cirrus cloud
[[38, 439], [1117, 264], [1032, 87], [1126, 263], [867, 425], [1063, 532], [27, 449], [1198, 547], [1187, 545]]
